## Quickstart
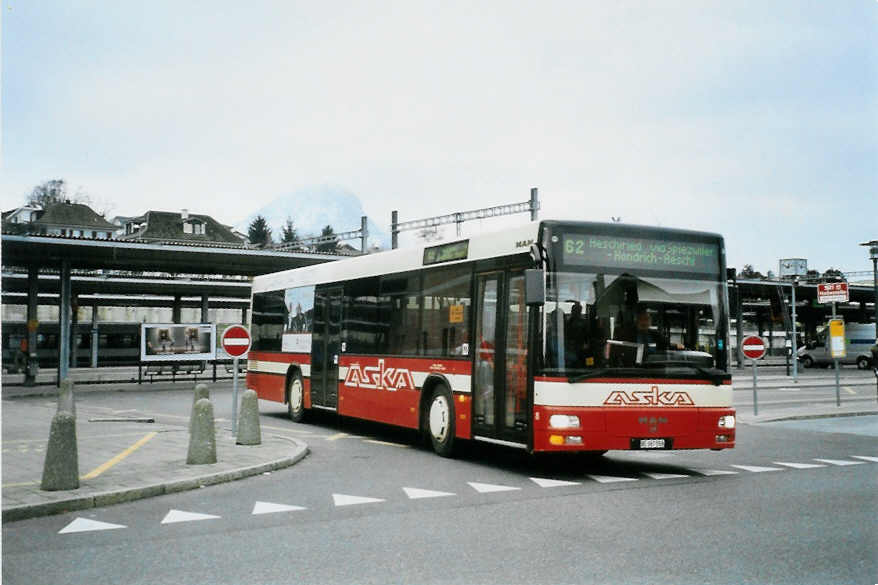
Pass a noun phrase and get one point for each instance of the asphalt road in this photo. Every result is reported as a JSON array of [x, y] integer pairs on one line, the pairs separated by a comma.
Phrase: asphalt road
[[788, 505]]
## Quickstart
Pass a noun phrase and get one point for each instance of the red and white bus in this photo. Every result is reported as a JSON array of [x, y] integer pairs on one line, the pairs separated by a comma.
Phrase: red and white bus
[[552, 336]]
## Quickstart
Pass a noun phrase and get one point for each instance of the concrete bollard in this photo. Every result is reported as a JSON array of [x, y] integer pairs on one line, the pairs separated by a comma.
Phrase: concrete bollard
[[249, 431], [201, 391], [66, 401], [61, 468], [202, 435]]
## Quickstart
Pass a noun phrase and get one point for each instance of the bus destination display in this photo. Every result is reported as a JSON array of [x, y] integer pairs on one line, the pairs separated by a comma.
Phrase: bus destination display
[[614, 251], [446, 253]]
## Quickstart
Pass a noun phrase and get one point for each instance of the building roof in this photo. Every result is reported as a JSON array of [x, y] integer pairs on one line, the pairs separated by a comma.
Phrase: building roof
[[167, 226], [73, 215]]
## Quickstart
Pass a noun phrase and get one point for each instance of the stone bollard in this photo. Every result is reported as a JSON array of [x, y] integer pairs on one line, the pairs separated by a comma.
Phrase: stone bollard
[[202, 435], [66, 402], [249, 431], [201, 391], [61, 468]]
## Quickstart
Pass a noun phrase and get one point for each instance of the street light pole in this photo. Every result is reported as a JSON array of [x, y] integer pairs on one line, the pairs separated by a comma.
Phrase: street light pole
[[795, 355], [873, 254]]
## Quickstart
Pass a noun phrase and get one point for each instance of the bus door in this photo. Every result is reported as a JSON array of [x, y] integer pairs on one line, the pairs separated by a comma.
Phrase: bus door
[[326, 347], [500, 404]]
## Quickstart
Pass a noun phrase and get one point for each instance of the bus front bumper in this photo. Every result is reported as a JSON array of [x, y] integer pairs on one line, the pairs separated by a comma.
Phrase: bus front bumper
[[573, 429]]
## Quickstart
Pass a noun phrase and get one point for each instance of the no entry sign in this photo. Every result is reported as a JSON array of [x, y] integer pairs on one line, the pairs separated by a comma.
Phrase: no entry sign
[[753, 347], [236, 340]]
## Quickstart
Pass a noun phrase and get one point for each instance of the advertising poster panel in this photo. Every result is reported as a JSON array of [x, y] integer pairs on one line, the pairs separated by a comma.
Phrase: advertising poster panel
[[299, 316], [177, 342]]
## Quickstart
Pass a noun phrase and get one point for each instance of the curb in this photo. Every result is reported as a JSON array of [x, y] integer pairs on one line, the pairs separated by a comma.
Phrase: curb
[[810, 417], [109, 498]]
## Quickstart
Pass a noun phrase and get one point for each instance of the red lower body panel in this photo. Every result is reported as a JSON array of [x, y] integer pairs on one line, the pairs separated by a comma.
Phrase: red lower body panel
[[268, 386], [604, 429]]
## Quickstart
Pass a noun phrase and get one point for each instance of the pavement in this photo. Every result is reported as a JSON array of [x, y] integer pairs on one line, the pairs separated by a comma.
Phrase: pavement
[[155, 452], [121, 457]]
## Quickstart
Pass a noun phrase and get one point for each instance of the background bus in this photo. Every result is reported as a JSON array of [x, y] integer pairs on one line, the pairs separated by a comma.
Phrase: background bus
[[553, 336]]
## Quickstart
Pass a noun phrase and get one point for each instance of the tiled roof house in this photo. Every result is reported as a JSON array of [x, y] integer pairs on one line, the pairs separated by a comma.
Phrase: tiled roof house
[[169, 226], [63, 219]]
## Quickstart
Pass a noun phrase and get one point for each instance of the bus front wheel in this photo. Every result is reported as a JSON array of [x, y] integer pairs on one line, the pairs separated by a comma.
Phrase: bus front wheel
[[296, 398], [440, 421]]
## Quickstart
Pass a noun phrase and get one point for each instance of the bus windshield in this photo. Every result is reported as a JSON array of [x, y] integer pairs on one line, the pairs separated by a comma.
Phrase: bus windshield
[[627, 325]]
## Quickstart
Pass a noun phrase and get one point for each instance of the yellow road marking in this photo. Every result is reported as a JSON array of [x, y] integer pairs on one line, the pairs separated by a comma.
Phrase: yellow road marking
[[105, 466], [21, 484], [848, 390]]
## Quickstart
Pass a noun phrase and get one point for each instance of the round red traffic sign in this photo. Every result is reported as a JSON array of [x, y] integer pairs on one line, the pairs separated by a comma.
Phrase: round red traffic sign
[[236, 340], [753, 347]]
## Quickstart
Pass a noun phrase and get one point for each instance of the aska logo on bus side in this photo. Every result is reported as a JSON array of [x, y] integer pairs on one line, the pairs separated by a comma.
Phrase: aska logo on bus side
[[651, 397], [379, 377]]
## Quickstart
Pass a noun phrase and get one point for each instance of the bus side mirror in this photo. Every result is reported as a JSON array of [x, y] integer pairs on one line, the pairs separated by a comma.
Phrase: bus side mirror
[[535, 287]]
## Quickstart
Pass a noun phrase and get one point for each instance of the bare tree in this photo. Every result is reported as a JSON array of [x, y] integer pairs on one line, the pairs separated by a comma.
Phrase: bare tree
[[49, 192]]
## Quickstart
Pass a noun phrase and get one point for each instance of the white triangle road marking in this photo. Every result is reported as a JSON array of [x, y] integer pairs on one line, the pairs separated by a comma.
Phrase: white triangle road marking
[[799, 465], [550, 483], [866, 458], [175, 516], [487, 488], [664, 475], [839, 462], [86, 525], [756, 468], [270, 508], [418, 494], [345, 500], [611, 478], [710, 472]]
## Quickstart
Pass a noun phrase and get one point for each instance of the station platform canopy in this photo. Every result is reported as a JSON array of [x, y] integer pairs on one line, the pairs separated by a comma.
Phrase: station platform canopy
[[49, 251]]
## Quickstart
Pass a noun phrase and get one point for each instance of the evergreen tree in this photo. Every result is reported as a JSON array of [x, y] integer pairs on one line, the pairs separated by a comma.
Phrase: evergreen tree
[[833, 275], [331, 245], [289, 232], [259, 233], [749, 272]]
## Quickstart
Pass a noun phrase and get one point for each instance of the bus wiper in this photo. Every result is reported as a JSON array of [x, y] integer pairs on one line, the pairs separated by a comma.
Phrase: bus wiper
[[593, 374], [716, 377]]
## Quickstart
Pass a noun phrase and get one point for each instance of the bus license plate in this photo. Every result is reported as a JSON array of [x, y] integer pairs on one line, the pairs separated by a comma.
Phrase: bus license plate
[[652, 443]]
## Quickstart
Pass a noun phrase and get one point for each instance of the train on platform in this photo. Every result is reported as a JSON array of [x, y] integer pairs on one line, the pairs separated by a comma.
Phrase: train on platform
[[118, 344]]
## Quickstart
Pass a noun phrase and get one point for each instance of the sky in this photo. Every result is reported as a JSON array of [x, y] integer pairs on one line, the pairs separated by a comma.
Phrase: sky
[[757, 120]]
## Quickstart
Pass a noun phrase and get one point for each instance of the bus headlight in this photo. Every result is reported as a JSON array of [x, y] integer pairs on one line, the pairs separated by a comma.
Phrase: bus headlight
[[727, 422], [564, 421]]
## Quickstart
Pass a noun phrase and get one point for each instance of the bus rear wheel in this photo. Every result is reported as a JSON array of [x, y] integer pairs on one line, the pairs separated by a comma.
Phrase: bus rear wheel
[[440, 421], [296, 398]]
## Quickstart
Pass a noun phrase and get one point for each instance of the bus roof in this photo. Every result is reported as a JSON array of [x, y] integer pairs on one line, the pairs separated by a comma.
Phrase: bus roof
[[506, 242]]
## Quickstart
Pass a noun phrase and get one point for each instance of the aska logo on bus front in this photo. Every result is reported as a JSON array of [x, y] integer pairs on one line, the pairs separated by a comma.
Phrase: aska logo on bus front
[[379, 377], [651, 397]]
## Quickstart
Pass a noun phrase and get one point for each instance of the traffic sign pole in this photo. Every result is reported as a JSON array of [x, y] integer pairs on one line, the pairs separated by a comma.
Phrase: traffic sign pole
[[236, 342], [755, 406], [235, 397], [835, 362], [753, 347]]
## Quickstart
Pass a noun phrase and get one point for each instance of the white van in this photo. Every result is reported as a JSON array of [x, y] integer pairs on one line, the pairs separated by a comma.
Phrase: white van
[[859, 339]]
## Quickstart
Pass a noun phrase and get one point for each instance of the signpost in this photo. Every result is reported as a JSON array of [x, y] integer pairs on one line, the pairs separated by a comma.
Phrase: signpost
[[835, 292], [832, 292], [753, 347], [236, 342]]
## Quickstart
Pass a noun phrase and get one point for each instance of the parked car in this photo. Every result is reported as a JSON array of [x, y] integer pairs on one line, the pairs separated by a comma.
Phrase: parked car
[[859, 339]]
